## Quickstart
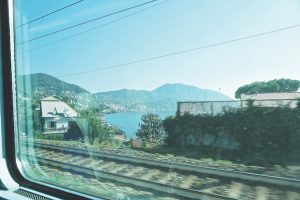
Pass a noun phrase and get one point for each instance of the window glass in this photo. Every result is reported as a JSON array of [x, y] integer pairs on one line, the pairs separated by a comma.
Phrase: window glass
[[159, 99]]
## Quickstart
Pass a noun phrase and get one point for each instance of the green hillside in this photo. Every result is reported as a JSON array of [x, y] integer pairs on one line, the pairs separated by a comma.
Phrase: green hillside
[[48, 84], [163, 98]]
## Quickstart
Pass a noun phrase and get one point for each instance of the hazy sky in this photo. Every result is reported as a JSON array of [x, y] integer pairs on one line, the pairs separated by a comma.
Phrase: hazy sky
[[171, 26]]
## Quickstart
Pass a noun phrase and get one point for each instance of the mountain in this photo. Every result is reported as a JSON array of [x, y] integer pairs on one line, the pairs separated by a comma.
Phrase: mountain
[[48, 83], [182, 92], [34, 87], [163, 98]]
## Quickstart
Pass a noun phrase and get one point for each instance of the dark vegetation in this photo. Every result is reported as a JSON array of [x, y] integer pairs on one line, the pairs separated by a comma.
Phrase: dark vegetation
[[276, 85], [252, 135], [93, 128], [163, 98], [32, 88], [48, 83], [151, 130], [88, 128], [265, 135], [74, 132]]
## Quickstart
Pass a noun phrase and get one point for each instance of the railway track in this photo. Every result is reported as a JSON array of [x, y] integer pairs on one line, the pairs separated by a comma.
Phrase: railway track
[[172, 183], [180, 180], [147, 184], [188, 168]]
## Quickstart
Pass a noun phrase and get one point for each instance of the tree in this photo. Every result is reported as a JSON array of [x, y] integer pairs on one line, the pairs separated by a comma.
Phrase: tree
[[95, 127], [74, 132], [276, 85], [151, 129]]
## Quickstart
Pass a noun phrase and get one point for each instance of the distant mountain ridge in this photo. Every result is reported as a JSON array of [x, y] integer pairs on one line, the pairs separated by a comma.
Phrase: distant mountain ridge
[[163, 98], [51, 83], [184, 92], [34, 87]]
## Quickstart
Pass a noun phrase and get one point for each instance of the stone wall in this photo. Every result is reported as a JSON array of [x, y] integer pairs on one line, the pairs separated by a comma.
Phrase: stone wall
[[206, 107]]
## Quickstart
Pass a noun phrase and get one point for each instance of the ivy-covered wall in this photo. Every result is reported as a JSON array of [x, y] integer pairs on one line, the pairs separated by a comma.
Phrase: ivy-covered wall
[[253, 134]]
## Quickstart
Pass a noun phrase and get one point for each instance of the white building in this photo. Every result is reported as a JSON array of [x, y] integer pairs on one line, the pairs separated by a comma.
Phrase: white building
[[55, 115], [262, 100], [271, 99], [206, 107]]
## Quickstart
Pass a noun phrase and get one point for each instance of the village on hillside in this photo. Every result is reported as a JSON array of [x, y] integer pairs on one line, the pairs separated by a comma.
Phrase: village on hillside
[[55, 116]]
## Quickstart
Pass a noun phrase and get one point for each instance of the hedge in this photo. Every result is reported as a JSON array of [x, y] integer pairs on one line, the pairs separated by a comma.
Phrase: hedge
[[258, 135]]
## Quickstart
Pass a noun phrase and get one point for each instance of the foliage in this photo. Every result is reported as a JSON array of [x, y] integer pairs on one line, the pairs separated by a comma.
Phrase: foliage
[[53, 136], [25, 117], [49, 84], [74, 132], [34, 87], [151, 130], [117, 131], [94, 127], [276, 85], [68, 100], [265, 135], [164, 98]]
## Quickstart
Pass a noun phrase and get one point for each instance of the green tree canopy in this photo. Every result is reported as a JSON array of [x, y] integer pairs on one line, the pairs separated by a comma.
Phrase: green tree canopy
[[151, 129], [95, 127], [276, 85]]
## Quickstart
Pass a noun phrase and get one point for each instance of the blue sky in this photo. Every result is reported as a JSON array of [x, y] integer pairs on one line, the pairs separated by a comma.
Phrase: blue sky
[[172, 26]]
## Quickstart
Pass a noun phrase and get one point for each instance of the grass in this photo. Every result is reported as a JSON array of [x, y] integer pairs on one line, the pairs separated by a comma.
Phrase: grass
[[40, 135]]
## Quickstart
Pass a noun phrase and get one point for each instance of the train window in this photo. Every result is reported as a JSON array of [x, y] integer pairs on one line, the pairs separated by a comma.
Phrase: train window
[[159, 99]]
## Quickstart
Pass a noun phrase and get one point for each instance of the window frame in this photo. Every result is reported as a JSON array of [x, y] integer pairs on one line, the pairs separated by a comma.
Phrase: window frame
[[8, 121], [6, 15]]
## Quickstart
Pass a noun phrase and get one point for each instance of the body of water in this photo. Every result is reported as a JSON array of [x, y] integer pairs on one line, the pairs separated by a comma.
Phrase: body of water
[[129, 121]]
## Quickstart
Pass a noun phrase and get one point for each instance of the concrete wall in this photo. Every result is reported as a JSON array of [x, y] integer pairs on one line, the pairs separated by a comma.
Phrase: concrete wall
[[272, 103], [272, 99], [206, 107]]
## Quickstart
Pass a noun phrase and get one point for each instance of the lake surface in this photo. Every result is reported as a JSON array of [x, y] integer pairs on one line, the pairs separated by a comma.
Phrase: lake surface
[[129, 121]]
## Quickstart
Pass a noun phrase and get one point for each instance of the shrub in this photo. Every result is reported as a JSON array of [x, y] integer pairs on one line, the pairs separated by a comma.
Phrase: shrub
[[151, 131], [264, 135]]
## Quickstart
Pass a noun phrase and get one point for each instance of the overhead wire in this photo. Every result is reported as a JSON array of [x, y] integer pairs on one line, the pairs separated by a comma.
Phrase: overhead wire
[[85, 22], [48, 14], [179, 52], [95, 28]]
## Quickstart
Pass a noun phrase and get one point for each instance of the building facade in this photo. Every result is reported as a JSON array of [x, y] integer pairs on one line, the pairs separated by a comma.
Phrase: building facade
[[271, 99], [206, 107], [55, 115], [212, 108]]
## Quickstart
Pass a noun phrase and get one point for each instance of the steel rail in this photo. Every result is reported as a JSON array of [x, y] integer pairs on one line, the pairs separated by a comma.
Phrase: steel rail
[[222, 173], [149, 185]]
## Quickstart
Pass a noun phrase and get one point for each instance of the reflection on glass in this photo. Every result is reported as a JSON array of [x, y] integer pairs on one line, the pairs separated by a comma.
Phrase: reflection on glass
[[160, 99]]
